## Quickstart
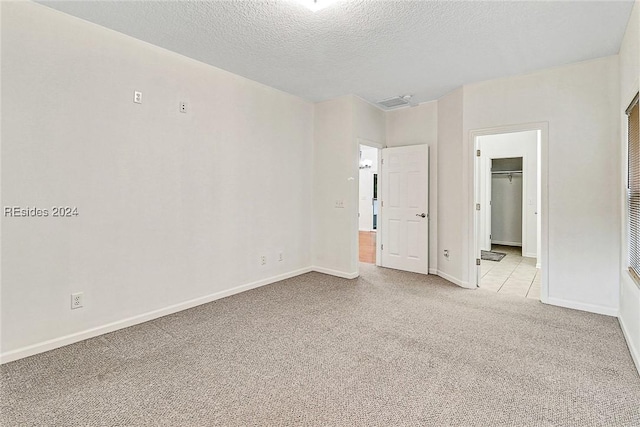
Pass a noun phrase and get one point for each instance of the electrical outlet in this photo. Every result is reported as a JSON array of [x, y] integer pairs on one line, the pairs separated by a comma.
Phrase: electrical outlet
[[281, 256], [137, 97], [183, 107], [339, 204], [77, 300], [263, 260], [446, 253]]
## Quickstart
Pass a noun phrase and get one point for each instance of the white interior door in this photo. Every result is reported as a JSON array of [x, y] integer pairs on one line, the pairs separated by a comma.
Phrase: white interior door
[[405, 208]]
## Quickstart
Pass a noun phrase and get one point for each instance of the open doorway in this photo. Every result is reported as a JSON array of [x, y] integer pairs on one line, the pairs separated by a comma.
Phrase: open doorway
[[368, 209], [509, 229], [393, 206]]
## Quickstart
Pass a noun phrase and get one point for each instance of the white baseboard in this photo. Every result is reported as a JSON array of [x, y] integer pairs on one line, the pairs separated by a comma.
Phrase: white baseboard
[[598, 309], [529, 255], [454, 280], [500, 242], [538, 265], [635, 351], [335, 272], [141, 318], [433, 271]]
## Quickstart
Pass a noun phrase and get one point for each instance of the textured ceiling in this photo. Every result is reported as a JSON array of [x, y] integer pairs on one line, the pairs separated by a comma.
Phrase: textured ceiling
[[374, 49]]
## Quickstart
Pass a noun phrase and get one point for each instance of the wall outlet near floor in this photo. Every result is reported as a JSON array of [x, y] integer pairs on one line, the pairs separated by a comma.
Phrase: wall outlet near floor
[[446, 253], [263, 260], [280, 257], [137, 97], [183, 107], [77, 300]]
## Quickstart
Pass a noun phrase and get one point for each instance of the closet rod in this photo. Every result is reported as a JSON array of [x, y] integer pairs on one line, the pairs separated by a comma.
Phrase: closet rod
[[505, 172]]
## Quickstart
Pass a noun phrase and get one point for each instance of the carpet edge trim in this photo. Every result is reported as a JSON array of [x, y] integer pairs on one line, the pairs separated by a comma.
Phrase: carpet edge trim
[[65, 340]]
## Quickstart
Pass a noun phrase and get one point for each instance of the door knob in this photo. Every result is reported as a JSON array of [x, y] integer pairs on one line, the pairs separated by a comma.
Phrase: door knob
[[423, 215]]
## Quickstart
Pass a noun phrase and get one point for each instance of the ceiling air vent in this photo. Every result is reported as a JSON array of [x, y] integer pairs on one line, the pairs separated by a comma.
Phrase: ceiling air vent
[[396, 101]]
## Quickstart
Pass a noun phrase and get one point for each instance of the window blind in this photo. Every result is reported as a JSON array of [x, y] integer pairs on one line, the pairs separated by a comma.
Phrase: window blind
[[633, 187]]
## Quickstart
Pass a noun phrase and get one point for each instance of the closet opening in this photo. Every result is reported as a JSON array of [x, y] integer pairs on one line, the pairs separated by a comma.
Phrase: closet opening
[[508, 215], [505, 204]]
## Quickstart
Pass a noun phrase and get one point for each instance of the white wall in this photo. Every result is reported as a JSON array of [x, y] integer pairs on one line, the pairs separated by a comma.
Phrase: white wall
[[174, 209], [451, 183], [506, 210], [580, 103], [365, 217], [513, 144], [368, 122], [629, 75], [415, 126], [333, 165], [339, 126]]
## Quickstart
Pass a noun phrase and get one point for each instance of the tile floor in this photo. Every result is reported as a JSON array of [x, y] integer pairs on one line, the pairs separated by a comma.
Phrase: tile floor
[[513, 275]]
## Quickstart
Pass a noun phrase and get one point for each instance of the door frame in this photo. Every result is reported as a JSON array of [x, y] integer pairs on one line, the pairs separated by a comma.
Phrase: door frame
[[356, 201], [474, 252]]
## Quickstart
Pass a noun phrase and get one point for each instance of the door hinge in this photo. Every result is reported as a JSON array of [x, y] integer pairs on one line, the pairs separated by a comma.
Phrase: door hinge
[[477, 261], [382, 247], [382, 203], [477, 153], [477, 206], [489, 236]]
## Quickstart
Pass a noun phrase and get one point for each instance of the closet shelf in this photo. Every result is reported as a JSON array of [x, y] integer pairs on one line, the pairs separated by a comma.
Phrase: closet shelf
[[505, 172]]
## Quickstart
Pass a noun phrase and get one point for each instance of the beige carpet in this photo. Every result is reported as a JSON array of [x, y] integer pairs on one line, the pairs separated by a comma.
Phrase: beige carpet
[[387, 349]]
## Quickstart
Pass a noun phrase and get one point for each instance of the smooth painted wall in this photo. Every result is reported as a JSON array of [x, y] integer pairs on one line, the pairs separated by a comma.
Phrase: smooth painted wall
[[629, 84], [580, 104], [450, 189], [332, 168], [369, 125], [340, 126], [506, 210], [172, 207], [415, 126]]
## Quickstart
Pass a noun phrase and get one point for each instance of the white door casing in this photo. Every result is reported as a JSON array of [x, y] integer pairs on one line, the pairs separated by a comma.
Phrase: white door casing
[[405, 208]]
